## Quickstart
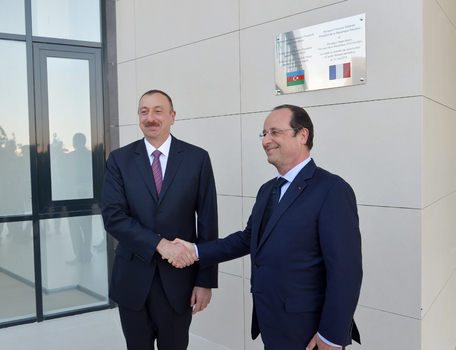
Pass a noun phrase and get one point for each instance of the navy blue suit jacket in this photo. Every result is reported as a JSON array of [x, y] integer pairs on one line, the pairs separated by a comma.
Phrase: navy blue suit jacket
[[306, 270], [138, 219]]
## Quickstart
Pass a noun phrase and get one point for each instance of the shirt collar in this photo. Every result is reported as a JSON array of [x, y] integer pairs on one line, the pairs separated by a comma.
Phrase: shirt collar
[[164, 148], [291, 174]]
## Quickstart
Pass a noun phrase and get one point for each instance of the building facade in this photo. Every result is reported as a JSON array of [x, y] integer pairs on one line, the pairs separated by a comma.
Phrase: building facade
[[390, 138]]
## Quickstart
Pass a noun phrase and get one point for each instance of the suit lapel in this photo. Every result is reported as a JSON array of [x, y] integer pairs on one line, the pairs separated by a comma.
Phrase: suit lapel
[[293, 192], [262, 201], [143, 163]]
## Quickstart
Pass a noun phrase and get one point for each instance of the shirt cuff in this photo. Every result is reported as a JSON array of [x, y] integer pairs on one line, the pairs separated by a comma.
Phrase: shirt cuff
[[196, 252], [328, 342]]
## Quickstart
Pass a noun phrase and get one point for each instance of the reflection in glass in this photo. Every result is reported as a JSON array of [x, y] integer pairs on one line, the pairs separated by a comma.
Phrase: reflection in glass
[[67, 19], [12, 17], [17, 280], [15, 185], [74, 263], [69, 127]]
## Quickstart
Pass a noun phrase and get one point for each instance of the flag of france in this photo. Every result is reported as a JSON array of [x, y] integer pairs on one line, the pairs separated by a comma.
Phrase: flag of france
[[339, 71]]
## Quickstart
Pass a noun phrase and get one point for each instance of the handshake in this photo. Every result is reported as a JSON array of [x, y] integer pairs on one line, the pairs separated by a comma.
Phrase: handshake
[[179, 253]]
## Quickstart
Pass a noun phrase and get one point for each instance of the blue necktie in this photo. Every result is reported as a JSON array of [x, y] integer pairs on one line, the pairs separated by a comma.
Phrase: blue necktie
[[272, 203]]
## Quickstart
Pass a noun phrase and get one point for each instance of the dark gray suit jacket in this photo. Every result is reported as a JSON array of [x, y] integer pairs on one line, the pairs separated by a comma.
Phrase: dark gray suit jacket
[[134, 216]]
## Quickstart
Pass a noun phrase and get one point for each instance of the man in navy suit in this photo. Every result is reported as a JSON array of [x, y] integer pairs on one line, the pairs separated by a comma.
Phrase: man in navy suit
[[155, 190], [305, 250]]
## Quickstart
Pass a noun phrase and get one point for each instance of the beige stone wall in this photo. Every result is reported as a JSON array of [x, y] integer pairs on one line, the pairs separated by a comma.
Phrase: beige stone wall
[[392, 139]]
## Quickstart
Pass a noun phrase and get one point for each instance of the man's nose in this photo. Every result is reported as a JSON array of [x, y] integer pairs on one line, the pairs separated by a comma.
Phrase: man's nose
[[150, 116], [267, 139]]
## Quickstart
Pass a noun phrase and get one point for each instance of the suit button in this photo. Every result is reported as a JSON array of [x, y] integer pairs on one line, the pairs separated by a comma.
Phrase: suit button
[[257, 265]]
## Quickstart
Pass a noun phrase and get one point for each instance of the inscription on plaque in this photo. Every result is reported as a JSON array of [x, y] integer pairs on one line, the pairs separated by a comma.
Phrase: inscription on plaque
[[323, 56]]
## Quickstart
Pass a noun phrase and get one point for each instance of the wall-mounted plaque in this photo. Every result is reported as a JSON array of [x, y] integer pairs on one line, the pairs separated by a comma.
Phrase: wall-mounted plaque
[[323, 56]]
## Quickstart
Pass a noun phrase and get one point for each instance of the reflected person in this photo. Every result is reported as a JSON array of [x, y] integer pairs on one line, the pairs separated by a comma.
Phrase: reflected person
[[79, 181], [13, 189]]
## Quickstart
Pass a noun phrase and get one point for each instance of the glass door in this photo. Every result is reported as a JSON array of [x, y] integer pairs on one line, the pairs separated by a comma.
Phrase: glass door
[[69, 134]]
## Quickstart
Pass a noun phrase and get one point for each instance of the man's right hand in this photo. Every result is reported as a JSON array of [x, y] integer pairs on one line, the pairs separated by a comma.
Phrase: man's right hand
[[190, 247], [177, 254]]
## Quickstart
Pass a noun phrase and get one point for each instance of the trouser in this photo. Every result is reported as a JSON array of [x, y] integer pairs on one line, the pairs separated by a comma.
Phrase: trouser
[[156, 320]]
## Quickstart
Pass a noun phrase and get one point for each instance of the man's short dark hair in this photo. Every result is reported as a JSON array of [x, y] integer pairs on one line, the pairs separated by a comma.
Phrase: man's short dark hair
[[151, 92], [300, 119], [79, 140]]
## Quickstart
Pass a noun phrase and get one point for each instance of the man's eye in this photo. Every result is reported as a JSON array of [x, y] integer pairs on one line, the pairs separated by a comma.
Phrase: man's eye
[[274, 132]]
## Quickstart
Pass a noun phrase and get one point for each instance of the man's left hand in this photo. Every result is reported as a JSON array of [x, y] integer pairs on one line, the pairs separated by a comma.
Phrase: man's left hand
[[316, 340], [201, 297]]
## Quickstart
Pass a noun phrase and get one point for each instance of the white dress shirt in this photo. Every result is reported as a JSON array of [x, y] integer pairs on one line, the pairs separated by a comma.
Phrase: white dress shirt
[[164, 149]]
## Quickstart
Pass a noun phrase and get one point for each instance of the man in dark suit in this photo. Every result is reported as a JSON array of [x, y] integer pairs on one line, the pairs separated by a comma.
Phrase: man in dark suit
[[155, 190], [305, 250]]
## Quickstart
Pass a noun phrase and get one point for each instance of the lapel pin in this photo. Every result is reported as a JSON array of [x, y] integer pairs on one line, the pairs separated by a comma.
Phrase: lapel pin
[[299, 188]]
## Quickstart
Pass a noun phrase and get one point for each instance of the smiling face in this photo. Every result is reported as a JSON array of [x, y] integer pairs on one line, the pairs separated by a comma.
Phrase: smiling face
[[285, 150], [156, 116]]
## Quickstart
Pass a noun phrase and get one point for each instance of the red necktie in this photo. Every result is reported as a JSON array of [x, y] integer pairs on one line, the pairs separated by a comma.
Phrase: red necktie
[[156, 169]]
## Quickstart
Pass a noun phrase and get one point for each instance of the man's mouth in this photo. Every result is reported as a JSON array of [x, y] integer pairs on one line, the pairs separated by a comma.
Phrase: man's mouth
[[270, 150]]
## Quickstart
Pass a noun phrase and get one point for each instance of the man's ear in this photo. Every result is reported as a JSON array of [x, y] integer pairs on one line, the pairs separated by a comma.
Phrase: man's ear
[[304, 132]]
